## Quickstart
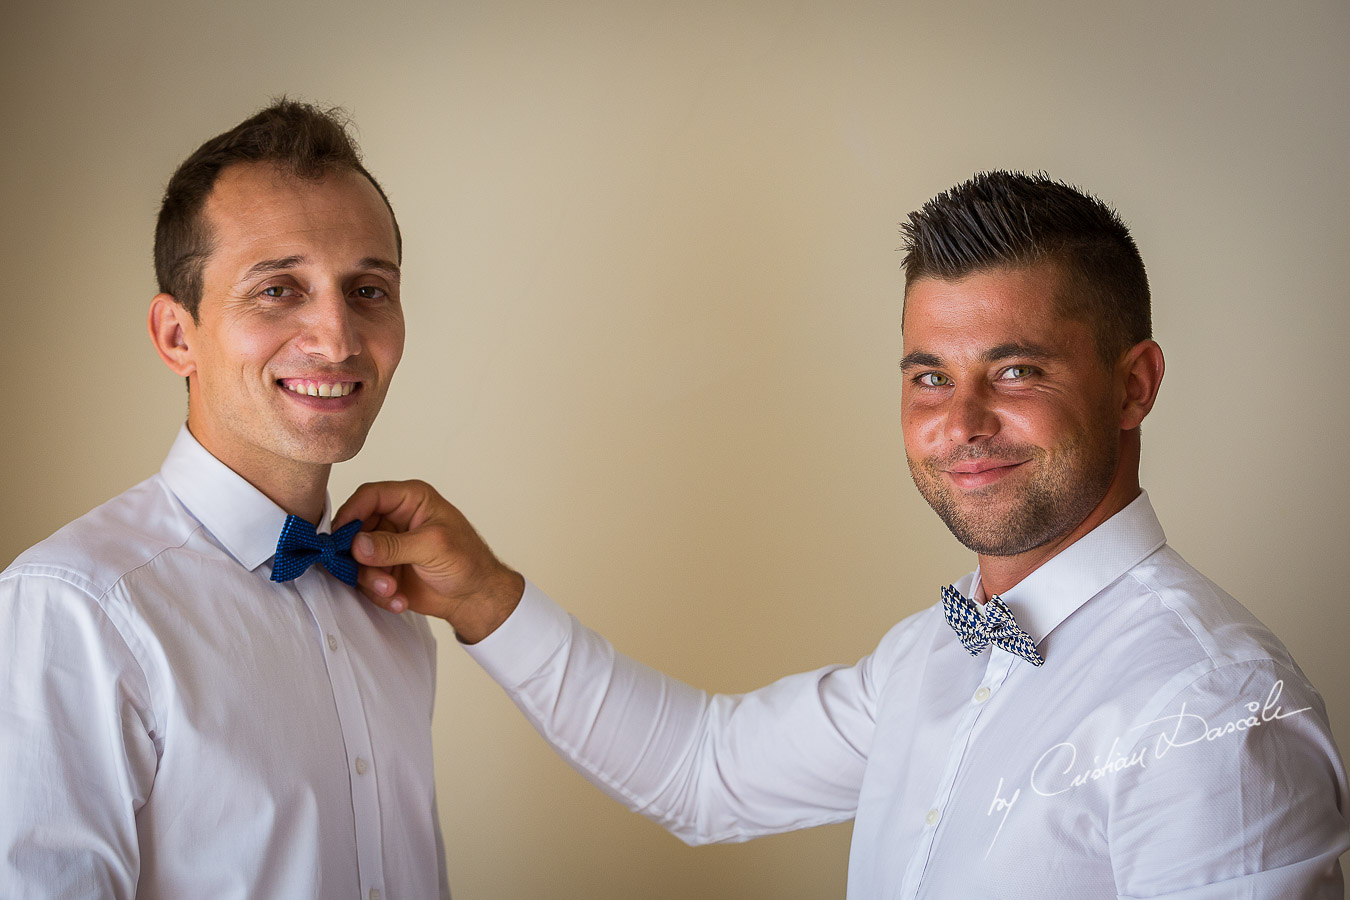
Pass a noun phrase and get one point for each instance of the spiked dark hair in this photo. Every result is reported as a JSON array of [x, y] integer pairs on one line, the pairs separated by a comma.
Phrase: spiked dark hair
[[300, 139], [1015, 220]]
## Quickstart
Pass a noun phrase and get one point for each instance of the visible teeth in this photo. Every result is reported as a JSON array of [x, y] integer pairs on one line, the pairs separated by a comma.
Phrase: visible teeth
[[321, 388]]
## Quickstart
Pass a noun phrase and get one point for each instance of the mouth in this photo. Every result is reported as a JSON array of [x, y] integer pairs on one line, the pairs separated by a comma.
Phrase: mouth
[[978, 473], [307, 387], [976, 466]]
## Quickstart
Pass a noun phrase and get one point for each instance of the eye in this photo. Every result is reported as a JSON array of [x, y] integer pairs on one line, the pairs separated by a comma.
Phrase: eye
[[370, 292], [1013, 373], [275, 292], [934, 379]]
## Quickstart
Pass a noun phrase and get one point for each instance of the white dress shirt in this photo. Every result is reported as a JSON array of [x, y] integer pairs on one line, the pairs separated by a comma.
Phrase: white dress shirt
[[173, 724], [1169, 747]]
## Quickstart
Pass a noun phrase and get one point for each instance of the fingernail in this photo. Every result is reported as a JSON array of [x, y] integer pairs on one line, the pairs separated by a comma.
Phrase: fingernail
[[363, 545], [384, 586], [397, 606]]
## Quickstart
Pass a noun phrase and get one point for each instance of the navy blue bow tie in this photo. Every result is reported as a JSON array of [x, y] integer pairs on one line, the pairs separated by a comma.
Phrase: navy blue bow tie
[[996, 626], [301, 547]]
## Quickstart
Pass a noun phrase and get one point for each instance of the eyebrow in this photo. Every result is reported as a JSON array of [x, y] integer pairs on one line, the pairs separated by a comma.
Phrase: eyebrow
[[390, 269], [282, 264], [1018, 349], [919, 358], [270, 266], [1009, 350]]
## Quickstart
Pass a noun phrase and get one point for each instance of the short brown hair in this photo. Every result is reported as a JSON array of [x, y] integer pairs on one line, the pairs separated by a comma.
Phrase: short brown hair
[[1011, 219], [300, 139]]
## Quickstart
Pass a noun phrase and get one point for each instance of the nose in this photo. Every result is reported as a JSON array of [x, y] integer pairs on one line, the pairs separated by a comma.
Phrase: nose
[[330, 328], [970, 415]]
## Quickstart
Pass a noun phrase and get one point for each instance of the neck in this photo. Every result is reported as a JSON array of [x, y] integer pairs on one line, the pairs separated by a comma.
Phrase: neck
[[1002, 573], [297, 487], [301, 493]]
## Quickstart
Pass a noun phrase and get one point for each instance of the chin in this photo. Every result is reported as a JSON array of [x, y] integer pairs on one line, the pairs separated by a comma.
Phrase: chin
[[321, 451]]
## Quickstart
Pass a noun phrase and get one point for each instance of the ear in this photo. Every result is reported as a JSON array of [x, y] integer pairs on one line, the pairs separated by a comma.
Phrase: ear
[[1141, 373], [173, 333]]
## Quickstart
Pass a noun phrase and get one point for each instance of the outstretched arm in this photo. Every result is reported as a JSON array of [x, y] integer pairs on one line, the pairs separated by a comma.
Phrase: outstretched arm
[[719, 768]]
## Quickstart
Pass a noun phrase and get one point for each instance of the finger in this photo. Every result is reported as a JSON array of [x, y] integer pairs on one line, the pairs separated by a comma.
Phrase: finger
[[396, 502], [385, 549], [380, 586], [369, 503], [369, 548], [395, 604], [377, 580]]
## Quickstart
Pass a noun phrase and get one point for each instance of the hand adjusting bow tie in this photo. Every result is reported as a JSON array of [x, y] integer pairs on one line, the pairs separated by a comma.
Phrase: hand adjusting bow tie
[[301, 547], [997, 626]]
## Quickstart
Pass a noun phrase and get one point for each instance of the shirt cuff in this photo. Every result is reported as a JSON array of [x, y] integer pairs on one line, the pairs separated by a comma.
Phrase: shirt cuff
[[529, 637]]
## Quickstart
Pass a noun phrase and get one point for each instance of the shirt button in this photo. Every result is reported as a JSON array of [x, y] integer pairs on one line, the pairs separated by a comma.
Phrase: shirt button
[[932, 817], [982, 695], [332, 642], [374, 894], [360, 766]]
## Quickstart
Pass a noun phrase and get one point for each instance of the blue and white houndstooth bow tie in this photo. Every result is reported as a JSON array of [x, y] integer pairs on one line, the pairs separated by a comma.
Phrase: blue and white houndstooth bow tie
[[996, 626], [300, 547]]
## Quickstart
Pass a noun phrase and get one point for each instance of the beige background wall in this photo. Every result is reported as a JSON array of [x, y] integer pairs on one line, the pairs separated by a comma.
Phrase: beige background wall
[[653, 295]]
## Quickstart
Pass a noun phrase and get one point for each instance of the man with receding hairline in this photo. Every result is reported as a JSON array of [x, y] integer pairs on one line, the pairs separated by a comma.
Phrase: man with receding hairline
[[1084, 715], [198, 705]]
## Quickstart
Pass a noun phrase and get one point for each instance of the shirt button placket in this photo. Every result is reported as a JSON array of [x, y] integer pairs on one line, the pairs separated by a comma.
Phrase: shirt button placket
[[356, 736]]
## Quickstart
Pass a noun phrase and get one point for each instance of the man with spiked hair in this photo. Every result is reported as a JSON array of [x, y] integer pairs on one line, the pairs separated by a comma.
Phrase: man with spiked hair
[[1084, 715], [194, 707]]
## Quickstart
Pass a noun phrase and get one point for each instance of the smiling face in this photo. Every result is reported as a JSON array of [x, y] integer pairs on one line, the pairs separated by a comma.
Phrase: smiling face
[[300, 326], [1012, 422]]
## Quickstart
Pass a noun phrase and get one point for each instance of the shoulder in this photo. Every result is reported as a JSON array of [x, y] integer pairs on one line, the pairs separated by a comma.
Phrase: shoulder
[[1198, 653], [97, 550], [69, 625], [1193, 613]]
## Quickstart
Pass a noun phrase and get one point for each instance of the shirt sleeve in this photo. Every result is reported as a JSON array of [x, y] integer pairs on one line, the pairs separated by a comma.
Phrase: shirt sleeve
[[77, 748], [708, 768], [1241, 793]]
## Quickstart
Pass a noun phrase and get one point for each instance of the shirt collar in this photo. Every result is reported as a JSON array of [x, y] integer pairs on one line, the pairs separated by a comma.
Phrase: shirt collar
[[1082, 570], [238, 515]]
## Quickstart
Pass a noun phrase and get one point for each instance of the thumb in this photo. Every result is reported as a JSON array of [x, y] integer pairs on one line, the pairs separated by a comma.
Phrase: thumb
[[385, 549]]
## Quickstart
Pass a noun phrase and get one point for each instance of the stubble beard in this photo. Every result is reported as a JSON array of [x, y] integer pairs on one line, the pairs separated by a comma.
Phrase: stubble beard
[[326, 444], [1008, 521], [324, 440]]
